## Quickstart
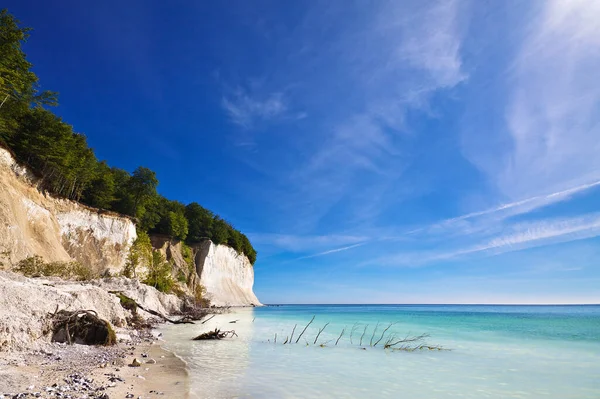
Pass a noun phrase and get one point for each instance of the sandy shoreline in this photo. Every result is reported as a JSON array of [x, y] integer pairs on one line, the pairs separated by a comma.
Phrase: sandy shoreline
[[79, 371]]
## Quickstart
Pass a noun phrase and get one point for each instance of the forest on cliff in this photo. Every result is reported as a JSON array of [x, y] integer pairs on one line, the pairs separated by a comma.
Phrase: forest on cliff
[[67, 166]]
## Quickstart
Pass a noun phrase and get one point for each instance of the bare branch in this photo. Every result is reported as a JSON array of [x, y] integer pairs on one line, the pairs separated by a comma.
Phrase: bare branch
[[292, 335], [363, 334], [320, 331], [309, 323], [373, 335], [383, 333], [342, 333]]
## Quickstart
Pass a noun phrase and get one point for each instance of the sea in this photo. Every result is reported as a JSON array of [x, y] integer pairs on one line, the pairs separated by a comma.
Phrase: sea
[[439, 351]]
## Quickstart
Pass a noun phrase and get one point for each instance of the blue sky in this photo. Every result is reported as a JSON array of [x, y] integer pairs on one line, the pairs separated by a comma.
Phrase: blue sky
[[373, 151]]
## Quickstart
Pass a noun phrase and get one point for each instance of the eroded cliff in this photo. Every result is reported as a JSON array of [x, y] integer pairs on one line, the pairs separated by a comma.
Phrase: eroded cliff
[[32, 223], [227, 276]]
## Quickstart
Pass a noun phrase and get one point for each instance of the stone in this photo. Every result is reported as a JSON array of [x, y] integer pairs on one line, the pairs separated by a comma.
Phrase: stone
[[135, 363]]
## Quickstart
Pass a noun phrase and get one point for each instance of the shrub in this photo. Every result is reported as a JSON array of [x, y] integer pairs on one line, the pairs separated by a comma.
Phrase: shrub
[[140, 253], [200, 296], [159, 273], [35, 266], [31, 266]]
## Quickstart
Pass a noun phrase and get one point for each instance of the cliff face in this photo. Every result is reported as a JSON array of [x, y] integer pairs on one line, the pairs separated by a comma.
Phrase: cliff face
[[227, 276], [32, 223]]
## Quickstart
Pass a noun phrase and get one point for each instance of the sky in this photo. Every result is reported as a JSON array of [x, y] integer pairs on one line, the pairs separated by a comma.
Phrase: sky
[[373, 151]]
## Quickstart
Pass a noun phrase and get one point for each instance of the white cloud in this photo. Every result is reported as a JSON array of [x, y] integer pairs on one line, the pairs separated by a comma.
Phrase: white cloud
[[552, 114], [245, 110], [298, 243], [494, 217], [396, 56], [516, 237], [331, 251]]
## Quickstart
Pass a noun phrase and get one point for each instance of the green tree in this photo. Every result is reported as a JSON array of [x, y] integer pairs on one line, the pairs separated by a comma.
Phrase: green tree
[[101, 191], [248, 249], [18, 84], [142, 186], [200, 222], [140, 254], [160, 273], [220, 231]]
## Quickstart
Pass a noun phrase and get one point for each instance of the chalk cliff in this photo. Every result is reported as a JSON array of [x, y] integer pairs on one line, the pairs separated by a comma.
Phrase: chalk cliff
[[34, 223], [227, 276]]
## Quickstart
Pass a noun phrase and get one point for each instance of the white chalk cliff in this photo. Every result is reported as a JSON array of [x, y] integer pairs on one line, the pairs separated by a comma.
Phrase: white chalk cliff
[[34, 223], [227, 276]]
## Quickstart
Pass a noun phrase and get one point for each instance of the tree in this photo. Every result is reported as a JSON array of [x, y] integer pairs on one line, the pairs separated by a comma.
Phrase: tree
[[140, 254], [101, 191], [235, 239], [142, 186], [220, 231], [248, 249], [200, 222], [18, 84], [178, 225]]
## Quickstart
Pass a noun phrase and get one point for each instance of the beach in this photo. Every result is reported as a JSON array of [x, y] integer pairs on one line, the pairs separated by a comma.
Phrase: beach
[[80, 371]]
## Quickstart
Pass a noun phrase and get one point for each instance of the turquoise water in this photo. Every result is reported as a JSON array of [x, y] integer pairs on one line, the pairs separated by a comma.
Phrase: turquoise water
[[489, 352]]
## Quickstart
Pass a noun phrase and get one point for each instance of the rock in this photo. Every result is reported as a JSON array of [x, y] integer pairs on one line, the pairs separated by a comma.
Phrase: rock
[[135, 363], [123, 337], [151, 361]]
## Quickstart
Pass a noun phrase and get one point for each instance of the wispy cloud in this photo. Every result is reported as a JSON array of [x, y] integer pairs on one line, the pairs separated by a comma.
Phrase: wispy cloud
[[520, 236], [494, 216], [417, 54], [552, 125], [246, 110], [331, 251], [309, 243]]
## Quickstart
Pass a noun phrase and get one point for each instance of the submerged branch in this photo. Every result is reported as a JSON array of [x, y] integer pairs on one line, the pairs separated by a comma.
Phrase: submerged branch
[[309, 323], [320, 331]]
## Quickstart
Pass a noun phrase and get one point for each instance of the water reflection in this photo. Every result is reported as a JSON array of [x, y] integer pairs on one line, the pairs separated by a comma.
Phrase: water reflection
[[217, 368]]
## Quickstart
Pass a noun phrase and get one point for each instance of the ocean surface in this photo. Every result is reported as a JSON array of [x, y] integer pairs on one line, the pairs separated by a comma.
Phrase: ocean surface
[[471, 352]]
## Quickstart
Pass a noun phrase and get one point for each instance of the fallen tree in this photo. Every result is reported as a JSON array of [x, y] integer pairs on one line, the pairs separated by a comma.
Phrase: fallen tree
[[81, 327], [215, 334], [132, 305]]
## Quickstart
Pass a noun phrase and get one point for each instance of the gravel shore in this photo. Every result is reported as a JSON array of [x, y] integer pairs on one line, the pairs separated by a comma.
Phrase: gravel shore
[[135, 368]]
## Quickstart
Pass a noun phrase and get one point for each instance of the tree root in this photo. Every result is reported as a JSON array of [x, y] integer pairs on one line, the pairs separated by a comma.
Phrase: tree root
[[81, 326], [216, 334]]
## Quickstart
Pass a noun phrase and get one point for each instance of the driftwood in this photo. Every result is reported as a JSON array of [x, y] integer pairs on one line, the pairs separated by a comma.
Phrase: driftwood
[[388, 339], [82, 327], [183, 320], [309, 323], [208, 319], [216, 334], [320, 331]]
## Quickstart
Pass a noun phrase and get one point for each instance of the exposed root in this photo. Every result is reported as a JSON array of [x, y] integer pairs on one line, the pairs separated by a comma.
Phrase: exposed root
[[216, 334], [81, 326]]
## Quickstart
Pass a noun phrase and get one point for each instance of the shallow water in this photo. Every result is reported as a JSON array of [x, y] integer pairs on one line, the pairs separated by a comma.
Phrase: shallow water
[[495, 352]]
